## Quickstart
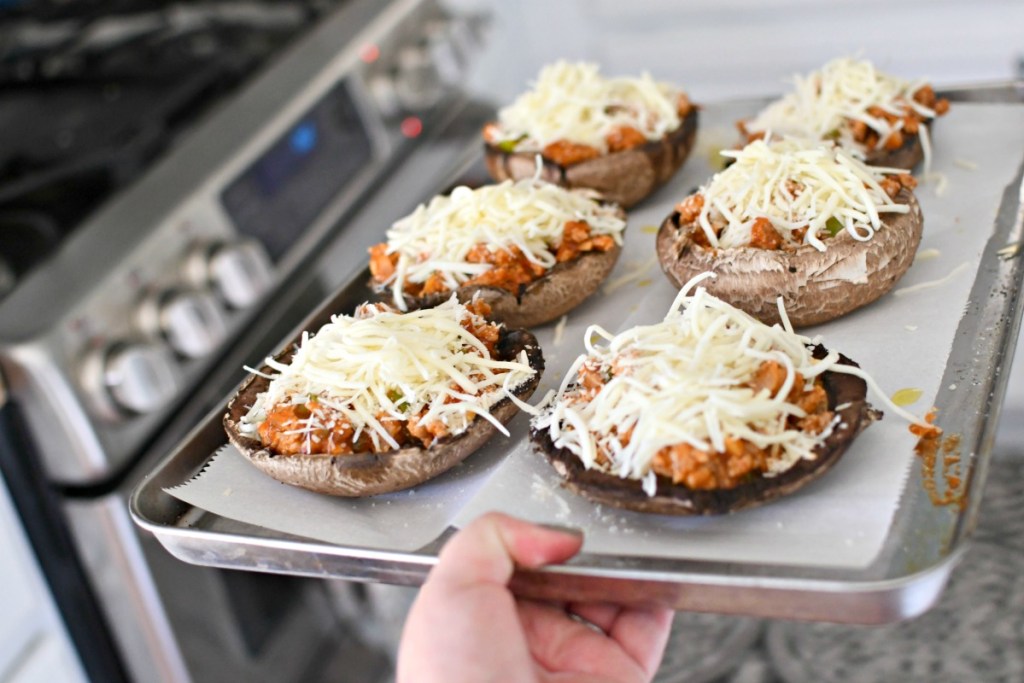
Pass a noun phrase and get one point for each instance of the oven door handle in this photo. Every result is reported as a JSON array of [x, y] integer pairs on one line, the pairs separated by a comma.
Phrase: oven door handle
[[38, 505]]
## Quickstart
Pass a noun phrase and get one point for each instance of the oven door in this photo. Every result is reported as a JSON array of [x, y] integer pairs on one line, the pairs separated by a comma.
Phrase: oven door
[[135, 613], [177, 622], [37, 507]]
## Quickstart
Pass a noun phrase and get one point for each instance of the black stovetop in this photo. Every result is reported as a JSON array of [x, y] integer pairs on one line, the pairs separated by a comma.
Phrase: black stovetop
[[93, 91]]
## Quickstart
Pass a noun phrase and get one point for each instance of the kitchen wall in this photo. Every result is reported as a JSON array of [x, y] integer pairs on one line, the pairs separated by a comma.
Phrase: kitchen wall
[[730, 48], [734, 48]]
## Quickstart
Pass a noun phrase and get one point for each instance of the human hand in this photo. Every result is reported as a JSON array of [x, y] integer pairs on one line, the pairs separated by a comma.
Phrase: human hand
[[466, 626]]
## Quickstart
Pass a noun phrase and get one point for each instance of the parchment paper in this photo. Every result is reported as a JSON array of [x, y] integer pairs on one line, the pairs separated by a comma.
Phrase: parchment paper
[[404, 521], [841, 520]]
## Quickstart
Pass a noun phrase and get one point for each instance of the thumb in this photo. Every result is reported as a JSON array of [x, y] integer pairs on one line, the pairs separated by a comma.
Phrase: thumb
[[490, 548], [466, 610]]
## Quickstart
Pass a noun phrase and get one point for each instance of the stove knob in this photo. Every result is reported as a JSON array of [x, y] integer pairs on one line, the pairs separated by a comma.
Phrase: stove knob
[[382, 90], [240, 272], [192, 322], [448, 48], [467, 31], [418, 83], [139, 377]]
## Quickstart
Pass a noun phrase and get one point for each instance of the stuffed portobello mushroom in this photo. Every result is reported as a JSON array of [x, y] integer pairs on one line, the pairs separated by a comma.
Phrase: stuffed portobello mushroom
[[623, 137], [795, 219], [382, 401], [882, 119], [530, 249], [706, 412]]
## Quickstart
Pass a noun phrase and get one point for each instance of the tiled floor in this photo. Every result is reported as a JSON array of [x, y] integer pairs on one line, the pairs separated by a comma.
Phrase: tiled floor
[[974, 635]]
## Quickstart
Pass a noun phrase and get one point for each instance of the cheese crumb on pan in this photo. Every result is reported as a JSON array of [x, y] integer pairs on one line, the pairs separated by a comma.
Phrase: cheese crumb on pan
[[573, 101], [941, 181], [931, 284], [1009, 251], [804, 188], [687, 380], [529, 215], [634, 274], [382, 364], [556, 339]]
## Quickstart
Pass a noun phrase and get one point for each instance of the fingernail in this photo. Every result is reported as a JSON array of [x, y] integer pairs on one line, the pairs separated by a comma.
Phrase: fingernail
[[568, 530]]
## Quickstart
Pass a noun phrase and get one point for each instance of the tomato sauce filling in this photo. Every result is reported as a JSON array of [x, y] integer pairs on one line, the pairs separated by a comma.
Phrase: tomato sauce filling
[[511, 269], [314, 428]]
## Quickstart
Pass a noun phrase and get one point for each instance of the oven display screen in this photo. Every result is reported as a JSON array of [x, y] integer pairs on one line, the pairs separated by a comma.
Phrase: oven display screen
[[282, 193]]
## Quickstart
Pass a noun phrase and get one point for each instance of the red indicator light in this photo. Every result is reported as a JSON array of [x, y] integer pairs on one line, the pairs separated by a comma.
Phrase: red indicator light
[[411, 126], [369, 53]]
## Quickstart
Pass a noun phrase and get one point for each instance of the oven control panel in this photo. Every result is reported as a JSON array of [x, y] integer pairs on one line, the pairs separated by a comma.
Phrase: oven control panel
[[143, 338], [175, 268], [176, 306]]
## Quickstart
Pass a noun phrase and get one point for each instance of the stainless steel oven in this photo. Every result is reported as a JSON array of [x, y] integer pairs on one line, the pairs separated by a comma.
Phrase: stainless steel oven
[[163, 222]]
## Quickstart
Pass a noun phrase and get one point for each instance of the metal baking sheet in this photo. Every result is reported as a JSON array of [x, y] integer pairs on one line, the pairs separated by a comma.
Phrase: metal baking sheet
[[922, 540]]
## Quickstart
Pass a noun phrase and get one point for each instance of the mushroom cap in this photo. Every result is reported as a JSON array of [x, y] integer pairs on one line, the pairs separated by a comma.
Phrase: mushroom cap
[[675, 499], [815, 286], [906, 156], [623, 177], [368, 474]]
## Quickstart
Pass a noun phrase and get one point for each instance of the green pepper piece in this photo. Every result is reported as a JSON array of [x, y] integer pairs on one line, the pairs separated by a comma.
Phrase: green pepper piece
[[833, 226], [510, 145], [398, 398]]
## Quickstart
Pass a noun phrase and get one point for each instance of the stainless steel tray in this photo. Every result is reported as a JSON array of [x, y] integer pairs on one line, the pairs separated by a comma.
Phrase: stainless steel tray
[[924, 543]]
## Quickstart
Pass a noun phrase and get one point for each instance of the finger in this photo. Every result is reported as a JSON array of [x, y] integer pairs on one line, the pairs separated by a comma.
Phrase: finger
[[642, 634], [560, 644], [604, 615], [600, 614], [490, 548], [465, 607]]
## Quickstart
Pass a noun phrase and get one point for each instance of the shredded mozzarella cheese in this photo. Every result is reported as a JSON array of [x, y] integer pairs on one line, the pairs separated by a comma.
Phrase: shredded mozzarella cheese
[[529, 214], [556, 339], [843, 89], [572, 101], [931, 284], [634, 274], [795, 183], [941, 181], [402, 365]]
